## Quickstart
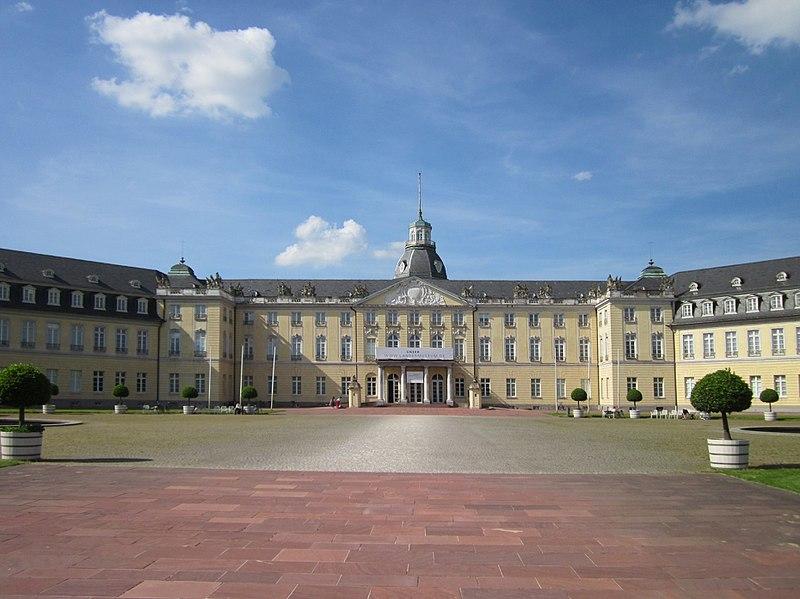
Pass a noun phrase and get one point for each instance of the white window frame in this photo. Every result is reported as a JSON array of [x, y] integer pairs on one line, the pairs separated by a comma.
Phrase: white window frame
[[5, 292], [752, 304], [321, 348], [776, 301], [485, 349], [533, 320], [709, 345], [731, 344], [753, 342], [536, 387], [687, 346], [687, 308], [707, 308], [510, 349], [631, 346], [53, 297], [729, 305], [560, 349], [657, 346], [511, 388], [558, 320], [122, 303], [778, 341], [535, 349], [510, 319], [99, 301], [29, 294], [141, 305]]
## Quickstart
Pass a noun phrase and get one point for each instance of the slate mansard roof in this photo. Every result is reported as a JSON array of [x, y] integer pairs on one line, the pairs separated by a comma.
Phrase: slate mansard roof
[[755, 276]]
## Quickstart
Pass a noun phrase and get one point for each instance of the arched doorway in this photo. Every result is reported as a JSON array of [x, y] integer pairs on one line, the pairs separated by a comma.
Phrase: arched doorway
[[392, 388], [437, 388]]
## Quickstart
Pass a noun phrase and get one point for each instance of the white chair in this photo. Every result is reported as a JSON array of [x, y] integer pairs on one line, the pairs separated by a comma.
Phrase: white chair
[[653, 413]]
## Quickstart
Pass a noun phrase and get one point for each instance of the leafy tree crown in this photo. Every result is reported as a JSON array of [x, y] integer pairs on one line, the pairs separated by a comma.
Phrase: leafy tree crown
[[769, 396], [721, 391], [189, 392], [249, 392], [120, 391], [23, 385], [634, 395], [54, 390], [578, 394]]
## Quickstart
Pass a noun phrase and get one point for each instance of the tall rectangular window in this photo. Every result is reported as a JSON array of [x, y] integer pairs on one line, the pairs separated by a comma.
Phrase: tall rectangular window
[[731, 344], [561, 388], [752, 304], [320, 319], [272, 347], [413, 317], [458, 318], [370, 346], [511, 349], [297, 319], [729, 306], [99, 301], [780, 385], [175, 342], [656, 314], [372, 386], [52, 375], [320, 385], [248, 317], [75, 381], [753, 343], [200, 312], [141, 305], [345, 384], [629, 314], [272, 318], [345, 319], [122, 303], [28, 337], [53, 335], [321, 348], [141, 382], [486, 387], [536, 387], [631, 383], [688, 386], [536, 349], [119, 377], [458, 349], [272, 384], [248, 346], [484, 319], [533, 320], [29, 294], [98, 381], [122, 341], [200, 382], [347, 348], [76, 299], [583, 349], [142, 342], [99, 338], [5, 292], [76, 337], [631, 350], [755, 385], [558, 320], [53, 297], [436, 318], [511, 387], [485, 347], [174, 382], [459, 387], [560, 348], [708, 345], [657, 346], [688, 346], [778, 342], [392, 317], [658, 387], [583, 320], [686, 310], [510, 319], [4, 332]]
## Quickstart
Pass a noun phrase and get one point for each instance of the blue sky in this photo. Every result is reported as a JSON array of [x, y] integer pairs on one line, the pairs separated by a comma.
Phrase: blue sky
[[557, 140]]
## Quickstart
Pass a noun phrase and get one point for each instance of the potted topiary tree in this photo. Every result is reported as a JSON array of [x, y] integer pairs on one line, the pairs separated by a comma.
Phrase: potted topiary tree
[[120, 392], [634, 395], [188, 393], [724, 392], [769, 396], [248, 393], [578, 395], [50, 408], [21, 386]]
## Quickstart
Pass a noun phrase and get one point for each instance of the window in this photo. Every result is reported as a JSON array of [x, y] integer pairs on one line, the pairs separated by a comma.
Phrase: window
[[75, 381], [393, 340], [99, 301], [436, 318], [320, 319], [558, 320], [458, 348], [272, 348], [656, 314], [99, 338], [797, 340], [321, 348], [657, 346], [370, 344], [370, 317], [631, 383], [561, 388], [533, 320], [347, 348], [586, 385], [778, 342], [141, 382], [602, 355], [781, 277], [755, 385], [752, 304], [729, 306], [485, 349], [458, 318], [583, 349], [272, 384], [98, 380], [629, 313], [76, 337], [29, 294], [53, 335], [776, 302], [688, 347], [536, 387], [658, 387], [142, 342], [459, 387], [174, 382], [686, 310], [560, 347], [249, 350], [76, 299], [53, 297], [141, 305], [736, 282], [694, 287], [436, 340], [28, 338], [583, 320], [780, 385], [272, 318], [200, 382], [631, 351], [345, 319], [731, 344], [122, 303], [753, 343], [536, 349], [248, 317], [483, 319], [707, 308], [392, 318], [200, 312], [797, 301], [708, 345], [688, 386], [174, 312], [486, 387], [5, 292], [413, 317], [511, 349], [122, 341], [297, 347], [200, 343], [372, 386], [174, 342], [297, 385], [320, 385], [345, 384], [4, 332], [510, 319], [511, 387], [297, 319], [119, 377], [414, 340]]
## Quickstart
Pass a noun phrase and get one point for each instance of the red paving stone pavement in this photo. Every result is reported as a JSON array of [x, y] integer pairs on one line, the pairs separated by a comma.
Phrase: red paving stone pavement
[[70, 531]]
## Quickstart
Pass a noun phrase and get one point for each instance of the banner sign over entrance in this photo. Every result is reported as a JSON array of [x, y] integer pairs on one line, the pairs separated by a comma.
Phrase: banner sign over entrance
[[414, 353], [415, 376]]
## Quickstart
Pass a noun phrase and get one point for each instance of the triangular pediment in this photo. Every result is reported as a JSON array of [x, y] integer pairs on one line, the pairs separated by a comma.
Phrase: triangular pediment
[[413, 291]]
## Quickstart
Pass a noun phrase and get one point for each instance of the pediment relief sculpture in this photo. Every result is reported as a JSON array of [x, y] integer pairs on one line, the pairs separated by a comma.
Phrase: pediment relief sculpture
[[414, 294]]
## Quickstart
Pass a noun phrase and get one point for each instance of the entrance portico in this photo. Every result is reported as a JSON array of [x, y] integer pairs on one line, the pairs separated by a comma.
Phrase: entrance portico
[[415, 375]]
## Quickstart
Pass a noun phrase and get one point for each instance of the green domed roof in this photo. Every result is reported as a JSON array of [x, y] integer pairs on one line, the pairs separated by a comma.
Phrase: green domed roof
[[652, 271], [181, 268]]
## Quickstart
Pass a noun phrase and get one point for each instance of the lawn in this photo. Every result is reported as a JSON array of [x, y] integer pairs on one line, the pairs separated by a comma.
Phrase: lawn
[[784, 478], [4, 463]]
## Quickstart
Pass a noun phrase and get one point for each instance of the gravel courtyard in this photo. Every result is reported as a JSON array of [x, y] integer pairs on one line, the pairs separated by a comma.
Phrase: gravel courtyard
[[338, 441]]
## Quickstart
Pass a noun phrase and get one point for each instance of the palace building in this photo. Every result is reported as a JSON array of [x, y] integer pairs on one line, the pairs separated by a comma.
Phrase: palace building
[[419, 337]]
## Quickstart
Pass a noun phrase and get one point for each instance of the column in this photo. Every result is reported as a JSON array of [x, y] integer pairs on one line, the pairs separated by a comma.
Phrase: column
[[449, 385], [425, 397], [380, 384], [403, 384]]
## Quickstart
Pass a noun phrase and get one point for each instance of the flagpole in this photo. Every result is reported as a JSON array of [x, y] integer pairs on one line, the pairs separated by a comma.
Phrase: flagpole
[[209, 381], [555, 365], [241, 377], [272, 381]]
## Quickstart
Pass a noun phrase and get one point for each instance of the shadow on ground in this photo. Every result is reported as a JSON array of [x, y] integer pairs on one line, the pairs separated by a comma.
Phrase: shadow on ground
[[93, 460]]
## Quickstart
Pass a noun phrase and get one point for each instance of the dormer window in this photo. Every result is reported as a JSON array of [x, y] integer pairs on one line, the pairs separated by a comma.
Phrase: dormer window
[[53, 297], [99, 302], [2, 267], [781, 277], [729, 306], [736, 282], [797, 300], [5, 292], [48, 273], [686, 310], [707, 308], [141, 305], [693, 287], [122, 303], [135, 283], [93, 279], [776, 302], [77, 299], [29, 294], [752, 304]]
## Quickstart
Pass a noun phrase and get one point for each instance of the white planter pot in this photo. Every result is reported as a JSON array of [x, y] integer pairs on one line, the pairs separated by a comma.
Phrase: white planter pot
[[21, 446], [49, 408], [633, 413], [187, 409], [120, 409], [733, 454], [576, 413], [770, 416]]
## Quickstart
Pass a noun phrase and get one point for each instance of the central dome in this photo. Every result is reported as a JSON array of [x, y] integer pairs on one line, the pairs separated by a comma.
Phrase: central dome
[[420, 258]]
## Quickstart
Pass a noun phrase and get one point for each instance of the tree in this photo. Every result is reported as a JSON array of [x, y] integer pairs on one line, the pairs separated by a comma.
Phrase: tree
[[724, 392], [23, 385], [53, 390], [578, 395], [189, 393], [634, 395], [769, 396], [120, 392], [249, 393]]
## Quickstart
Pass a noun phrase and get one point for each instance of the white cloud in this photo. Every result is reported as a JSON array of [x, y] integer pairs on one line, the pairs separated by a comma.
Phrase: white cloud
[[23, 7], [583, 176], [320, 243], [739, 69], [392, 250], [176, 67], [754, 23]]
